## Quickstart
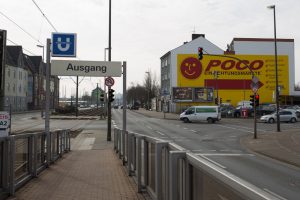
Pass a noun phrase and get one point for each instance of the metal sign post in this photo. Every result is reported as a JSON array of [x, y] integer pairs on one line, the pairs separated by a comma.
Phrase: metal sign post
[[47, 106], [124, 96], [255, 86]]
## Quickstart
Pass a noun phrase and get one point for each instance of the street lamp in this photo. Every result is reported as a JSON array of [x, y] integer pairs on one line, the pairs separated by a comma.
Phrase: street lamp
[[276, 69], [41, 46], [148, 90]]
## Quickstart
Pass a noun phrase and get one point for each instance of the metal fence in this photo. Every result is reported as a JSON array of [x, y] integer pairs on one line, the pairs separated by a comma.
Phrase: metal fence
[[24, 156], [168, 172]]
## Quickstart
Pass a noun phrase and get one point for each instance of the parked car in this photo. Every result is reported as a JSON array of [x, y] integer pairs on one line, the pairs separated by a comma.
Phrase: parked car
[[286, 115], [296, 108], [227, 111], [211, 114]]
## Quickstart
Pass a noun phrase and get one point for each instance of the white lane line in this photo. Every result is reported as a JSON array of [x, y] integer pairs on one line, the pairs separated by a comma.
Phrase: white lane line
[[218, 164], [185, 128], [159, 132], [149, 127], [193, 131], [278, 196], [249, 128], [239, 129], [223, 154]]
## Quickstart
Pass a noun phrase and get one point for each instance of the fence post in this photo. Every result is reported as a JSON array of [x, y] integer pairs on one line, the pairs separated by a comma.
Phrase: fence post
[[124, 133], [139, 163], [158, 168], [174, 156], [12, 166], [129, 152], [34, 159]]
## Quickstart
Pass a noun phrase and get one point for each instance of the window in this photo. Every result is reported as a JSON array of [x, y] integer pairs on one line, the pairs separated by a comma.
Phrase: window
[[14, 88], [8, 87], [205, 110], [8, 72], [14, 73]]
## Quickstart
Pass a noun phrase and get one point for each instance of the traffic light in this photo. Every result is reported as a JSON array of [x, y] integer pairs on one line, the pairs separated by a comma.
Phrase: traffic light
[[102, 97], [200, 53], [216, 101], [111, 95], [252, 100], [257, 100]]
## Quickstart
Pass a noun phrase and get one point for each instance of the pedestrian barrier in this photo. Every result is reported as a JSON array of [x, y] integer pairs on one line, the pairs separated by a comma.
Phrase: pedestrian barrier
[[169, 172], [24, 156]]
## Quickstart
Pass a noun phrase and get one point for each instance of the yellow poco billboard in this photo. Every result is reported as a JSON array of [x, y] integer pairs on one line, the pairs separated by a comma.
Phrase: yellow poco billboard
[[230, 76]]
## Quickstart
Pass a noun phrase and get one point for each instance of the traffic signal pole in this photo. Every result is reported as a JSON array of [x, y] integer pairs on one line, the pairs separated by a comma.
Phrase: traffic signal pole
[[255, 121]]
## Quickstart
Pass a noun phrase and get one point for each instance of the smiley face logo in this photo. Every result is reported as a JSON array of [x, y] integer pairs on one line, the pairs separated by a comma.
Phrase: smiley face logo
[[191, 68]]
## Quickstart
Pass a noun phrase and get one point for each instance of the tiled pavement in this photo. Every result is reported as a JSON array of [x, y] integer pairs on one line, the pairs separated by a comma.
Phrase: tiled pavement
[[91, 171]]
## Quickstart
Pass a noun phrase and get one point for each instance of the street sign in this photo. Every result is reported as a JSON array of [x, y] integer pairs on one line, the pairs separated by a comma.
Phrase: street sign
[[4, 123], [255, 80], [109, 81], [86, 68], [63, 45]]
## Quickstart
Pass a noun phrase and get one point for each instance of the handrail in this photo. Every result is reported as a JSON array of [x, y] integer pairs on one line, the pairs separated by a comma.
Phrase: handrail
[[12, 151], [167, 170]]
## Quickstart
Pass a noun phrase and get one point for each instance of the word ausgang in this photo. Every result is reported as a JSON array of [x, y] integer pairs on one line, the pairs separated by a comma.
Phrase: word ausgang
[[86, 68]]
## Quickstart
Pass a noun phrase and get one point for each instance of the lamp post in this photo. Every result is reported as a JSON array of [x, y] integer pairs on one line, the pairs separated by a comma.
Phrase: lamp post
[[216, 81], [276, 69], [148, 90], [43, 47]]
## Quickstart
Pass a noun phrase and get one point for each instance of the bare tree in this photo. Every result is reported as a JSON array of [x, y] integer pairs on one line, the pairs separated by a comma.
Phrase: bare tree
[[297, 86], [152, 86]]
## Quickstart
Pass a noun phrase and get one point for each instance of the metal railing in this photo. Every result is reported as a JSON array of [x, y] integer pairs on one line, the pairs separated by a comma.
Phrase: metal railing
[[169, 172], [24, 156]]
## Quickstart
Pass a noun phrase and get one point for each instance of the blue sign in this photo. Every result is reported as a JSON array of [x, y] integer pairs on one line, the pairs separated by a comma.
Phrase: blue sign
[[63, 45]]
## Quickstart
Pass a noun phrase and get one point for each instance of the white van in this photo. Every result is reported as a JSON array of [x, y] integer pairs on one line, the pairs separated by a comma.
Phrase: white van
[[211, 114]]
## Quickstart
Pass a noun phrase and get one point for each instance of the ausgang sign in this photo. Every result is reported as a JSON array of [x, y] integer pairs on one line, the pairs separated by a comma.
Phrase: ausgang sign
[[85, 68]]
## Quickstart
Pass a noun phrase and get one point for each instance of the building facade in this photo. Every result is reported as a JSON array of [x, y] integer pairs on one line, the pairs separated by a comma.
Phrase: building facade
[[231, 76]]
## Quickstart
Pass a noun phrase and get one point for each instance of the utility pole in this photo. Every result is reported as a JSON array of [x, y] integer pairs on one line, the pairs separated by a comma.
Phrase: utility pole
[[109, 59], [2, 68], [76, 96], [97, 96]]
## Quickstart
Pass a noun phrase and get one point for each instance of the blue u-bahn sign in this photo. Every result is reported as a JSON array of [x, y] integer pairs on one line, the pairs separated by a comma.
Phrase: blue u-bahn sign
[[63, 45]]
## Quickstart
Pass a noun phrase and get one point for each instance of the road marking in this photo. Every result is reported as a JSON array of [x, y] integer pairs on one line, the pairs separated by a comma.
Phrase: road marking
[[159, 132], [149, 127], [193, 131], [223, 154], [236, 129], [218, 164], [185, 128], [280, 197], [248, 128]]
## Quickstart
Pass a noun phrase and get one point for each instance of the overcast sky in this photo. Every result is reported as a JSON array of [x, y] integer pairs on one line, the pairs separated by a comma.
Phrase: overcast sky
[[144, 30]]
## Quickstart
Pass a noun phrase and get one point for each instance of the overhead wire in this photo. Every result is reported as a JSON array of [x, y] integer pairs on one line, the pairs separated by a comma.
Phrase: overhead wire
[[44, 15], [30, 35]]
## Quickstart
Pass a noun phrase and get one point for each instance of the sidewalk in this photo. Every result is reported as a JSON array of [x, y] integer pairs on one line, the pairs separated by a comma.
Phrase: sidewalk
[[91, 171], [283, 146]]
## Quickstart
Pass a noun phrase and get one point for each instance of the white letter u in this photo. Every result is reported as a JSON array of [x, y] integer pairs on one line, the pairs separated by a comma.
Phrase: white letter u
[[67, 44]]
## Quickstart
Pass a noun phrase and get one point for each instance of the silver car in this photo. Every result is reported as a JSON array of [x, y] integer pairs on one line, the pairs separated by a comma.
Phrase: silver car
[[285, 115]]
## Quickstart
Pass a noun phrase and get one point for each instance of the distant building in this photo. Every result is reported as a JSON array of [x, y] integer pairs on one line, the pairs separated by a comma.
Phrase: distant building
[[24, 80], [224, 76]]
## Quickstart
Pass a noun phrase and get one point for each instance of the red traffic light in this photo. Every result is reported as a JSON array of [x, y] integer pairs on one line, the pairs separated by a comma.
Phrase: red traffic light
[[200, 53], [257, 96]]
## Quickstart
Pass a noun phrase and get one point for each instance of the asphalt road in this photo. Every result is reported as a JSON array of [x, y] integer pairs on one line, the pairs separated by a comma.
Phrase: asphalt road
[[220, 144]]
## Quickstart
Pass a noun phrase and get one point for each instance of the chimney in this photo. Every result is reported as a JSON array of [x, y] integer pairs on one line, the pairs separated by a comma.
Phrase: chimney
[[195, 36]]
